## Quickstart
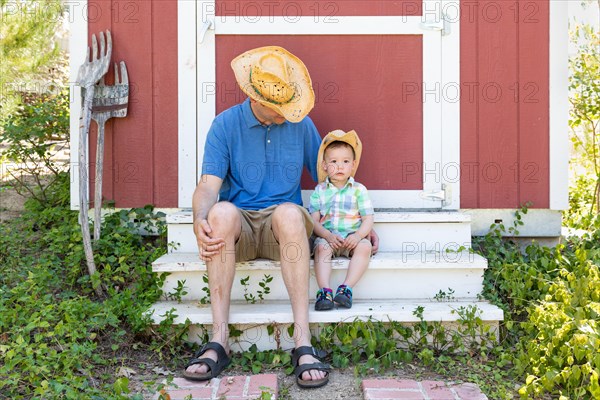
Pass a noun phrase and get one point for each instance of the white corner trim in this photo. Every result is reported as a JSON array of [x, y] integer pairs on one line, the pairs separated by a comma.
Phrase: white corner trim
[[187, 98], [450, 95], [77, 50], [559, 105]]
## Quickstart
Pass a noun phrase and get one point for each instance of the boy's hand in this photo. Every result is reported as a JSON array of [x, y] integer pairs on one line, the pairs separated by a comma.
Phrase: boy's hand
[[335, 241], [351, 241]]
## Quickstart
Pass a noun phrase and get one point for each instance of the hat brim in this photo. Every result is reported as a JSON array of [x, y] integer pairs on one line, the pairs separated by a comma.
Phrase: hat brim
[[304, 97], [350, 137]]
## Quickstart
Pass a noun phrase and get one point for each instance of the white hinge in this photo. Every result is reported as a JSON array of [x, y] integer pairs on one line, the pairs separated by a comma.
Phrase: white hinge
[[209, 23], [444, 195], [440, 24]]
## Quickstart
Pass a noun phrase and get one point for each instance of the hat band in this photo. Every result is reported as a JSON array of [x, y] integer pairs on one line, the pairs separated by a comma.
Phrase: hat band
[[279, 103]]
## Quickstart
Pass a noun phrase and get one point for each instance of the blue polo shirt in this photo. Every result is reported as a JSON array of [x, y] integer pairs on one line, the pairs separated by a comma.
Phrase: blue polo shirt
[[260, 165]]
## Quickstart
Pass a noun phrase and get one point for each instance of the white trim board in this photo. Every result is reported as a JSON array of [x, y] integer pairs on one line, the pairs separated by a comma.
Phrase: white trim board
[[186, 97], [536, 223], [559, 105], [78, 34], [443, 150]]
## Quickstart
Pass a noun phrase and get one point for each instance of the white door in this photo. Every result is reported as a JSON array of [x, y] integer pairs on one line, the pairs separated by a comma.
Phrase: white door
[[434, 170]]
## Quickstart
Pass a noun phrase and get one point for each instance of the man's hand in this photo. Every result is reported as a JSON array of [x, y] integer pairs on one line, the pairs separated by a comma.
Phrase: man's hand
[[335, 241], [374, 238], [351, 241], [207, 245]]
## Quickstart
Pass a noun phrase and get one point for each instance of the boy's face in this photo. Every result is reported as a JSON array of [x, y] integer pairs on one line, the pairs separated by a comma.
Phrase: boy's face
[[338, 163]]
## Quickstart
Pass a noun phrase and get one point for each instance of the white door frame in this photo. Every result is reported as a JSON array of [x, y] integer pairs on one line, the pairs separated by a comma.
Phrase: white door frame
[[441, 87]]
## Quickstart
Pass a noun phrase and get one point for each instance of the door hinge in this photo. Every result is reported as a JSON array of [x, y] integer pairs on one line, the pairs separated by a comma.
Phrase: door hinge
[[209, 23], [441, 23], [444, 195]]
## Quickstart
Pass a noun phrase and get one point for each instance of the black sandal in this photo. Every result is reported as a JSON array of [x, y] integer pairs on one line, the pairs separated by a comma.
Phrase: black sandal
[[215, 367], [300, 369]]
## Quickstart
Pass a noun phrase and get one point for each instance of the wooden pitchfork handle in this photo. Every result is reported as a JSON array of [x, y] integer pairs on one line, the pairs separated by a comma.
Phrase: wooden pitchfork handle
[[84, 128]]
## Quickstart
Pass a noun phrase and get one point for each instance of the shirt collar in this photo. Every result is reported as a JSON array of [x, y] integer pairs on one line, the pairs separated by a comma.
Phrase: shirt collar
[[249, 117], [349, 183]]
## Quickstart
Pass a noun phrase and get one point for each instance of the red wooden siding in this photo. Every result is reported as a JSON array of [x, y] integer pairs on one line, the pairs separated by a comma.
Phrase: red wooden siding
[[317, 8], [141, 150], [504, 107], [358, 82]]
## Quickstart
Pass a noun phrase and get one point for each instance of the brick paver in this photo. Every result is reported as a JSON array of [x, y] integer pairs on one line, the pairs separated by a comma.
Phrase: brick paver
[[404, 389], [239, 387]]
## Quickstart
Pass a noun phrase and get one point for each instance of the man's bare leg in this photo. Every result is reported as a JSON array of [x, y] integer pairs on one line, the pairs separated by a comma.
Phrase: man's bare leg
[[288, 228], [225, 221]]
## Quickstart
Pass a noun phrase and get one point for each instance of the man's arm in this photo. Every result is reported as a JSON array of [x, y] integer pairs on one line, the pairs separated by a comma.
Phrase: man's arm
[[205, 196]]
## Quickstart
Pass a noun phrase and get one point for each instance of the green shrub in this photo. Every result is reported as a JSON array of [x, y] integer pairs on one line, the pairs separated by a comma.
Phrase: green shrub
[[57, 340], [552, 301], [33, 137]]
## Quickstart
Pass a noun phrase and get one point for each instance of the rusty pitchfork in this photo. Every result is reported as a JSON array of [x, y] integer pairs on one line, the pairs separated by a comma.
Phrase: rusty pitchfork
[[109, 102], [90, 72]]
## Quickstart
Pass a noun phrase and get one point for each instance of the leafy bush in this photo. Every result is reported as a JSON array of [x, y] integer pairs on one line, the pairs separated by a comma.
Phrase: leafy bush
[[53, 327], [584, 96], [33, 136], [552, 301]]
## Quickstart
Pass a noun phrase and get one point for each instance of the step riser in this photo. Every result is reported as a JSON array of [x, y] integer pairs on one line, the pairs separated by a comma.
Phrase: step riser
[[258, 335], [375, 284], [394, 236]]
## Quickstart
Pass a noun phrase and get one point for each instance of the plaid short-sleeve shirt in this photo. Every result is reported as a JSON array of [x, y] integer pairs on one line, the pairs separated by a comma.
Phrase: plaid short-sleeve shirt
[[341, 209]]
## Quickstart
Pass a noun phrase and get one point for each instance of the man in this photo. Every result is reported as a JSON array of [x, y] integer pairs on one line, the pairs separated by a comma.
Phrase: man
[[254, 156]]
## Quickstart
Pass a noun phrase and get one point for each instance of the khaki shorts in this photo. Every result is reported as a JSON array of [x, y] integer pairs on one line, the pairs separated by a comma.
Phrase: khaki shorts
[[257, 239], [339, 252]]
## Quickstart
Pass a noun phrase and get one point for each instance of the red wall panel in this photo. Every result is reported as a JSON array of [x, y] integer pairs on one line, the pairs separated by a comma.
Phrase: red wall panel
[[141, 150], [504, 105], [359, 83], [326, 10]]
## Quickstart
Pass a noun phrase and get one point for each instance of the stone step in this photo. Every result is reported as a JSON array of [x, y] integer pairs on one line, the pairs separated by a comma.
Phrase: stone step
[[398, 231], [390, 275], [254, 319]]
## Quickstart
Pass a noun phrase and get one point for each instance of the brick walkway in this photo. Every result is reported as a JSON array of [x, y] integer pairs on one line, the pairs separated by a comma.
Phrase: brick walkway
[[404, 389], [252, 386], [229, 387]]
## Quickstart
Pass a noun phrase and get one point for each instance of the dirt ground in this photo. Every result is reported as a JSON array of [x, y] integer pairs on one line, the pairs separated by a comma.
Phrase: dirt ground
[[11, 203]]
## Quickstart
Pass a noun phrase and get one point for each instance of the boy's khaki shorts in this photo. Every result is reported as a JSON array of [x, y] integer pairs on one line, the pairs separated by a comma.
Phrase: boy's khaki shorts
[[339, 252], [257, 239]]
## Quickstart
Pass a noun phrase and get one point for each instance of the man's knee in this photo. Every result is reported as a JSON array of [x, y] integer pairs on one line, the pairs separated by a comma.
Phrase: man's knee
[[224, 217], [288, 217]]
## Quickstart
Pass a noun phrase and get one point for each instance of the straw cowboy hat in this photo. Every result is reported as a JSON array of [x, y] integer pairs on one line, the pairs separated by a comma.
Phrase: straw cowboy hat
[[277, 79], [350, 137]]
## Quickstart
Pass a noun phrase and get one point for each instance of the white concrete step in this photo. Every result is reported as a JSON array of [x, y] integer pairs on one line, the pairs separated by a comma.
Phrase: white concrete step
[[398, 231], [253, 319], [390, 275]]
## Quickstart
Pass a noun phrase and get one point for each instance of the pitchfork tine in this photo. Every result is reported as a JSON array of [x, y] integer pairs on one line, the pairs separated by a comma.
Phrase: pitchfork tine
[[109, 43], [102, 44], [124, 77], [116, 74], [94, 48]]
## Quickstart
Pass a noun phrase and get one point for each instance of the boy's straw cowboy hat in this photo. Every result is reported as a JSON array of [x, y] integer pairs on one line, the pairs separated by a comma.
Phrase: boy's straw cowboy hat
[[277, 79], [350, 137]]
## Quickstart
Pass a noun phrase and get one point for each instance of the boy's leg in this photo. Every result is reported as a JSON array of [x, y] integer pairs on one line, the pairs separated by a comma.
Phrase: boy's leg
[[359, 263], [323, 255]]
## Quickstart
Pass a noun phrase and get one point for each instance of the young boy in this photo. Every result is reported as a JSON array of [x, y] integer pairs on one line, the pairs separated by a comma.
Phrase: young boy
[[342, 215]]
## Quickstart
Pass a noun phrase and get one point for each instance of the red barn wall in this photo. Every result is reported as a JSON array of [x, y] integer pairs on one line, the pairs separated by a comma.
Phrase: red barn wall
[[505, 103], [141, 150], [504, 106]]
